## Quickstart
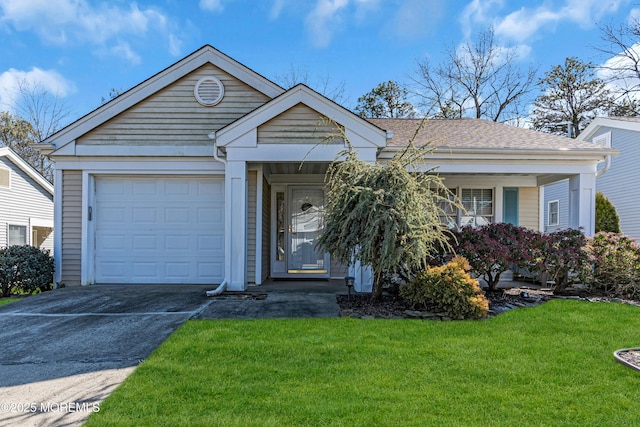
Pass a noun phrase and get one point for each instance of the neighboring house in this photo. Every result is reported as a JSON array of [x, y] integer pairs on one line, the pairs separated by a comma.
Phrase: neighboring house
[[26, 203], [617, 177], [208, 172]]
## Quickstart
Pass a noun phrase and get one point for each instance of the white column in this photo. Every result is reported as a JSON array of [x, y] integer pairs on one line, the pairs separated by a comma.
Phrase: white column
[[582, 202], [236, 225]]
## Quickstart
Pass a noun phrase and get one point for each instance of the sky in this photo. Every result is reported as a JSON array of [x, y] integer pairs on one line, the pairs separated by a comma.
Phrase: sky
[[80, 50]]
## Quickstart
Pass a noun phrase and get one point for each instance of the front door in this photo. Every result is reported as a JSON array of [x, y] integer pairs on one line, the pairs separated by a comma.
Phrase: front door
[[299, 221]]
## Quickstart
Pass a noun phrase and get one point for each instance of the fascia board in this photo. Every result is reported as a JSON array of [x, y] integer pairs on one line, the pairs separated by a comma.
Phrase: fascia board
[[601, 122], [20, 163]]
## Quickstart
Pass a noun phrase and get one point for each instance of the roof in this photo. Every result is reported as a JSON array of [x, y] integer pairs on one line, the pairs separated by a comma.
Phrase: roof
[[204, 55], [26, 168], [625, 123], [476, 134]]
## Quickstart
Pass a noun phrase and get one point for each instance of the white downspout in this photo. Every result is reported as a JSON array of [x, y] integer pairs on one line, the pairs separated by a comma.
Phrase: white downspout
[[607, 165], [221, 288]]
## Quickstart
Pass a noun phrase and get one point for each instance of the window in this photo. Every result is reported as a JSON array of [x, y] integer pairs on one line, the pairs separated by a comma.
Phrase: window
[[5, 178], [450, 217], [17, 235], [553, 213], [478, 204]]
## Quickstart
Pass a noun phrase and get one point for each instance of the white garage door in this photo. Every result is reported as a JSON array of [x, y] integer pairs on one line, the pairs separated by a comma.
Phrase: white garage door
[[159, 230]]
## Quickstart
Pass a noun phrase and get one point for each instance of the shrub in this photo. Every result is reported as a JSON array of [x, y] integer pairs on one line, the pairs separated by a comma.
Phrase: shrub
[[494, 248], [607, 218], [25, 269], [613, 266], [450, 288]]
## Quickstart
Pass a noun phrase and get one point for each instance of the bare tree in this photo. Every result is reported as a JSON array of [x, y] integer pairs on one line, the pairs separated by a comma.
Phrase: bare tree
[[478, 79], [44, 110], [622, 50], [322, 84]]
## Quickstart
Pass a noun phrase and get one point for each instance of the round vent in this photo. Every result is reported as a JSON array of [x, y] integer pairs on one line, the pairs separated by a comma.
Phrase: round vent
[[209, 91]]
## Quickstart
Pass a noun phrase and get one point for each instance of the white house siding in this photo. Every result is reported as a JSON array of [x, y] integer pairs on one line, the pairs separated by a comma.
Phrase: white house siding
[[558, 191], [252, 178], [71, 227], [266, 230], [173, 116], [620, 184], [298, 125], [23, 202], [528, 203]]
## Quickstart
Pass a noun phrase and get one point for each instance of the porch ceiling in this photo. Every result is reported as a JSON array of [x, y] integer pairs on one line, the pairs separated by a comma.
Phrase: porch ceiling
[[307, 168]]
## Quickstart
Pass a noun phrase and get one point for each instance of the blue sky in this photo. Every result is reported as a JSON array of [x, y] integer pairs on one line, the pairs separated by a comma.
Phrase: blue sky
[[80, 49]]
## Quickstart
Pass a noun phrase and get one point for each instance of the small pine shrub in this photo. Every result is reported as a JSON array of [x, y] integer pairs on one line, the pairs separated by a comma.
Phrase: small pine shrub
[[25, 269], [450, 288], [613, 266], [607, 218]]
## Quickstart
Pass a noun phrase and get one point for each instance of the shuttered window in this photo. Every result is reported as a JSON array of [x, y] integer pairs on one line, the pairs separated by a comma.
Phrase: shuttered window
[[5, 177]]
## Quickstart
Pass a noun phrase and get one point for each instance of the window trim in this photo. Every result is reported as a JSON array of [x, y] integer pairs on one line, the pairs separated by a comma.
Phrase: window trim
[[8, 170], [491, 217], [26, 233], [557, 222]]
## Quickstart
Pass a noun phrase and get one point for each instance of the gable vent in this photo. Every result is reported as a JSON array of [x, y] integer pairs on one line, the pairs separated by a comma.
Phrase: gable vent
[[209, 91]]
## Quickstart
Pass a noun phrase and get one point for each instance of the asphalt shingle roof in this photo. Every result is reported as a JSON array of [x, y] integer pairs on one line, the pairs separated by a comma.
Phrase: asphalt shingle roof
[[475, 134]]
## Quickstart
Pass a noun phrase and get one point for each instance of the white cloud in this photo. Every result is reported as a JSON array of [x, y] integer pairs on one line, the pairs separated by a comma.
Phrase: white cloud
[[77, 21], [123, 50], [617, 72], [175, 45], [323, 19], [413, 17], [524, 23], [276, 9], [212, 5], [48, 80]]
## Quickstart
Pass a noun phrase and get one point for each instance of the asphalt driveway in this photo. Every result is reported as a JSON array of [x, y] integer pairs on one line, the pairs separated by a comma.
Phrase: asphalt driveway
[[64, 351]]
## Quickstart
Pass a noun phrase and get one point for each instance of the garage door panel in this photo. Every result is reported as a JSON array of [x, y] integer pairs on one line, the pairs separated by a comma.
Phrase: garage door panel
[[159, 230]]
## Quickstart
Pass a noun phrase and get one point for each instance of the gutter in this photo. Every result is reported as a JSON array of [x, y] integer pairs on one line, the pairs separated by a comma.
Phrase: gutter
[[607, 165], [217, 291]]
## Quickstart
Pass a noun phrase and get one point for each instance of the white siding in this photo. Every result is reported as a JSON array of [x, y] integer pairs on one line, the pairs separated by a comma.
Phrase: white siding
[[173, 116], [25, 201], [71, 227], [620, 184], [298, 125]]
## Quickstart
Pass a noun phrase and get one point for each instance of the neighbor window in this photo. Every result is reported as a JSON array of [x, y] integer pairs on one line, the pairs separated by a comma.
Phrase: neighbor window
[[553, 212], [5, 177], [478, 204], [17, 235]]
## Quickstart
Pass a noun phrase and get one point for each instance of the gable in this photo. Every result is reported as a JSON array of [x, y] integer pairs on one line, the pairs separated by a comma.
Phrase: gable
[[173, 115], [300, 125]]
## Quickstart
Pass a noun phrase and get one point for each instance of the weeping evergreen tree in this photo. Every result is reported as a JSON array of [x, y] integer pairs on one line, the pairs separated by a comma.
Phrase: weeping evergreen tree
[[384, 215]]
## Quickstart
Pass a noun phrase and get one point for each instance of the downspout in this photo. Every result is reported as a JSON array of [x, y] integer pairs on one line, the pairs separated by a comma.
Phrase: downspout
[[607, 165], [222, 286]]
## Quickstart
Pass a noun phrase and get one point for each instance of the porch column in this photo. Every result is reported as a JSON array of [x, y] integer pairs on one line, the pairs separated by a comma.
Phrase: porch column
[[236, 225], [582, 202]]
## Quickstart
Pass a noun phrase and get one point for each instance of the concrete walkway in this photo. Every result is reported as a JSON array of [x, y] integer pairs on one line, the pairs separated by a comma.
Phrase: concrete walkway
[[63, 352]]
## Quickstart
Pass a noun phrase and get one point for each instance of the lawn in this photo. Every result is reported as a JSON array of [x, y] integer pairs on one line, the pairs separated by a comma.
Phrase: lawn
[[549, 365], [7, 300]]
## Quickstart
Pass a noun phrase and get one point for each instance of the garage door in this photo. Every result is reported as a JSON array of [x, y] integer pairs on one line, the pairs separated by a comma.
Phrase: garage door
[[159, 230]]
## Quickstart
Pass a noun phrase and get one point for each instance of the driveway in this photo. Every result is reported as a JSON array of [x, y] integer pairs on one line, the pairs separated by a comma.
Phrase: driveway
[[64, 351]]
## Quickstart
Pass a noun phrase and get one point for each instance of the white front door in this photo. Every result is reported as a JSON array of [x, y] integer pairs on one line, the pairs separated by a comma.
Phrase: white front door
[[299, 220]]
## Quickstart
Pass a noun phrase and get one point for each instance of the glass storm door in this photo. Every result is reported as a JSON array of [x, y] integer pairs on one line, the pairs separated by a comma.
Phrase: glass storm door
[[306, 220]]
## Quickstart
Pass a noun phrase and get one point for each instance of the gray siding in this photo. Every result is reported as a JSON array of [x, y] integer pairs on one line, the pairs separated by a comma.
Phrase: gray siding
[[71, 227], [174, 117], [251, 225], [338, 270], [298, 125], [621, 182], [23, 202], [558, 191]]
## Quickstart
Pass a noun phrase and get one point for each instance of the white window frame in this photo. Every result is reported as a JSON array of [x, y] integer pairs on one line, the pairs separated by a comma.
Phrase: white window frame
[[491, 217], [26, 233], [557, 221], [8, 170]]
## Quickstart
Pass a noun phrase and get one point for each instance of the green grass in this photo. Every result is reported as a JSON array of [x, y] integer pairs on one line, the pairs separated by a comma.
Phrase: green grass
[[549, 365], [7, 300]]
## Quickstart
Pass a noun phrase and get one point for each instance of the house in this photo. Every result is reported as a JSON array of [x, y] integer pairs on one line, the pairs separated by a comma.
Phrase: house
[[26, 203], [207, 172], [617, 177]]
